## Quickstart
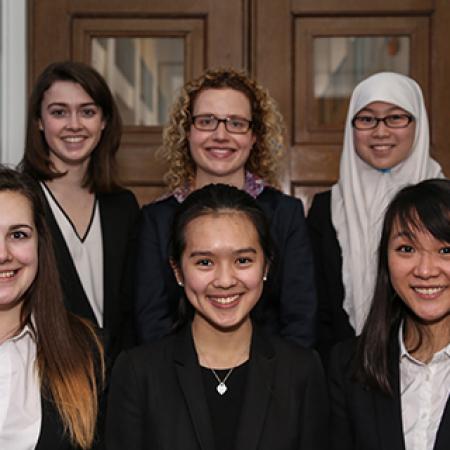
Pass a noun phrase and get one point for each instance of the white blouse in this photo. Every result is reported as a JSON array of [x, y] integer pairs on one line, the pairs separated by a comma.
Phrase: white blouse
[[20, 396], [86, 252], [425, 390]]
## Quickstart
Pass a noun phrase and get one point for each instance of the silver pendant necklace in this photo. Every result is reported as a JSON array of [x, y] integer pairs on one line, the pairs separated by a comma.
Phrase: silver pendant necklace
[[221, 388]]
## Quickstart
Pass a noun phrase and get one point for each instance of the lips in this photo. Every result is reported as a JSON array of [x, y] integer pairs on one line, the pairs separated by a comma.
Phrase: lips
[[224, 301], [220, 152]]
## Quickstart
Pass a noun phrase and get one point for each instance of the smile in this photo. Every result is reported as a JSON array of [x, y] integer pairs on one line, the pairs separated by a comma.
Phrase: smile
[[220, 152], [225, 300], [382, 147], [73, 139], [429, 291], [8, 274]]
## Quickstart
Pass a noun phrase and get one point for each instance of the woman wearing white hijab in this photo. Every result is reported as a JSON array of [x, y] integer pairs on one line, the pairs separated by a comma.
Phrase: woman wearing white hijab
[[386, 146]]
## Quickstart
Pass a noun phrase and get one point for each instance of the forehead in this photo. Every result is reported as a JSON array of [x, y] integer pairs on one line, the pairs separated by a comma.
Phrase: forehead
[[222, 102], [220, 231], [16, 208], [66, 92], [382, 108]]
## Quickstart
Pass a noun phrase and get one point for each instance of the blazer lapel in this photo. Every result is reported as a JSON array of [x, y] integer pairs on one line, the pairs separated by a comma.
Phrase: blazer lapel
[[443, 434], [258, 391], [189, 376], [388, 409]]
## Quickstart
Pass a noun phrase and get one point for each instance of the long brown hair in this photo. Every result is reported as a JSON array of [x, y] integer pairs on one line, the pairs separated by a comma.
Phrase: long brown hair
[[101, 175], [424, 206], [69, 354]]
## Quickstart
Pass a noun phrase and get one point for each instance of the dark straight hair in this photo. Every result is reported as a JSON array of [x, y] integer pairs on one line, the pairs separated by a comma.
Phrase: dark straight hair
[[216, 199], [421, 207], [69, 355], [101, 175]]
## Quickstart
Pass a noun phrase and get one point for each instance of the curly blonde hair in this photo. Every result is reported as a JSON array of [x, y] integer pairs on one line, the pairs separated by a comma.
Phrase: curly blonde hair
[[267, 126]]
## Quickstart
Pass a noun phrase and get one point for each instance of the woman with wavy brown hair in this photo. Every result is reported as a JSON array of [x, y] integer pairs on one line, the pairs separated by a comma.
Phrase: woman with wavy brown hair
[[225, 128], [51, 362]]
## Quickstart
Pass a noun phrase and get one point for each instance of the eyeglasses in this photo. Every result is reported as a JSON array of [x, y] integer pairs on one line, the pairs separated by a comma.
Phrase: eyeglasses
[[233, 124], [362, 122]]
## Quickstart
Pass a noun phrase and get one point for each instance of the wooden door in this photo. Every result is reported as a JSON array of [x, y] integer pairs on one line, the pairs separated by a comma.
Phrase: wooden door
[[275, 41]]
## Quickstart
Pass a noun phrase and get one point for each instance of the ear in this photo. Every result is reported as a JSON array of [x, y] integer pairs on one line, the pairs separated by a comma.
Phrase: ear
[[253, 139], [41, 126], [266, 271], [103, 124], [177, 272]]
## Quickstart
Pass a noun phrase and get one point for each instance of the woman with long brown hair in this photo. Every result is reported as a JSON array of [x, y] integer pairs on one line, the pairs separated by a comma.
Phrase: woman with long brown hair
[[50, 360], [73, 136]]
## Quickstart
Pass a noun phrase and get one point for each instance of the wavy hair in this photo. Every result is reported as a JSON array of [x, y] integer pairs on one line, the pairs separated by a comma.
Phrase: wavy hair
[[267, 126], [69, 354], [101, 175], [425, 207]]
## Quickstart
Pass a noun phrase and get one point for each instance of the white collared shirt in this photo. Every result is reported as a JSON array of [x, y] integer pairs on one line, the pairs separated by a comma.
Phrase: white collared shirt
[[86, 253], [425, 390], [20, 396]]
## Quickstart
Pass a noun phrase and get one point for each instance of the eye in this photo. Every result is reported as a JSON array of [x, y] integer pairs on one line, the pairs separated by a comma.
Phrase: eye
[[404, 249], [445, 250], [367, 120], [59, 112], [17, 235], [204, 121], [88, 112], [244, 261], [237, 124], [204, 262]]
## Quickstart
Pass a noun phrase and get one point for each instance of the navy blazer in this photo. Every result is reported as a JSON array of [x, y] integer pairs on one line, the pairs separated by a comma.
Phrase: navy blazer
[[118, 217], [364, 418], [157, 398], [288, 303], [333, 322]]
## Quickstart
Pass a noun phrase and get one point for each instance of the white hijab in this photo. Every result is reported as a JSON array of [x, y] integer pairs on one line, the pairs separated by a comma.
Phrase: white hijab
[[360, 197]]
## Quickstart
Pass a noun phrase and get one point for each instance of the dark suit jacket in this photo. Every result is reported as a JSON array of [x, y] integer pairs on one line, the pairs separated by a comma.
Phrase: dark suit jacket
[[288, 304], [363, 418], [333, 324], [118, 216], [157, 399]]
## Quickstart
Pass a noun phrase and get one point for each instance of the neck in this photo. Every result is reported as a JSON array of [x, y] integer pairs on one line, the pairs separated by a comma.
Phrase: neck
[[221, 349], [73, 178], [435, 337], [9, 322], [236, 179]]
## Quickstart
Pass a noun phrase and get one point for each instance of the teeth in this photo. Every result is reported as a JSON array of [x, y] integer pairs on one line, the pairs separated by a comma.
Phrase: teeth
[[428, 291], [226, 300], [73, 140], [7, 274], [382, 147]]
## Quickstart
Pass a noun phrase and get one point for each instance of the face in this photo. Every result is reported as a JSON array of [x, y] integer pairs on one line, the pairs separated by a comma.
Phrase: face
[[222, 268], [220, 155], [419, 268], [72, 124], [18, 248], [383, 147]]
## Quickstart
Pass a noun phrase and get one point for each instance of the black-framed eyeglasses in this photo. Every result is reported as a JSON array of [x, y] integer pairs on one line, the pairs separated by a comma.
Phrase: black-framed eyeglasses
[[365, 122], [210, 122]]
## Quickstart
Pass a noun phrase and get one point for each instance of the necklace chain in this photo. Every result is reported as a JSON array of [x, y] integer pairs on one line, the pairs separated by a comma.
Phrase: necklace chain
[[221, 388]]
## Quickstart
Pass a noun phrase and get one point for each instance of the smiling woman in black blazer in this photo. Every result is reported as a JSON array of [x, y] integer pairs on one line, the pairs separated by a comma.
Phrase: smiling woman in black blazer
[[220, 382], [73, 136], [390, 388]]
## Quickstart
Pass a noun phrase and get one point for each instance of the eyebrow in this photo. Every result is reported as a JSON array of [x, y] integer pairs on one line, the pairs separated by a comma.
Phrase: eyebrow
[[236, 252], [66, 104], [404, 234], [21, 225], [388, 110]]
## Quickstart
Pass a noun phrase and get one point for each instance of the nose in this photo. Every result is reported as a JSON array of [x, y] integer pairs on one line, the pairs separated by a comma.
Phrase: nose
[[220, 133], [225, 278], [381, 130], [5, 254], [427, 266], [74, 121]]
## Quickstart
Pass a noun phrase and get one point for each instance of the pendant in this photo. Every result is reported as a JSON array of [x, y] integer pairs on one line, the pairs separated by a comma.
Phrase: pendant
[[221, 388]]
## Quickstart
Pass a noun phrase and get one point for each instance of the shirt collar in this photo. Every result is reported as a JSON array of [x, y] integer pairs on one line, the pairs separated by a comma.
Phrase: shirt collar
[[253, 185]]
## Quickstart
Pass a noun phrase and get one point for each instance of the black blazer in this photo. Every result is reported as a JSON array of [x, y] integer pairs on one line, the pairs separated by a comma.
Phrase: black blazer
[[157, 399], [363, 418], [288, 303], [118, 216], [332, 321]]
